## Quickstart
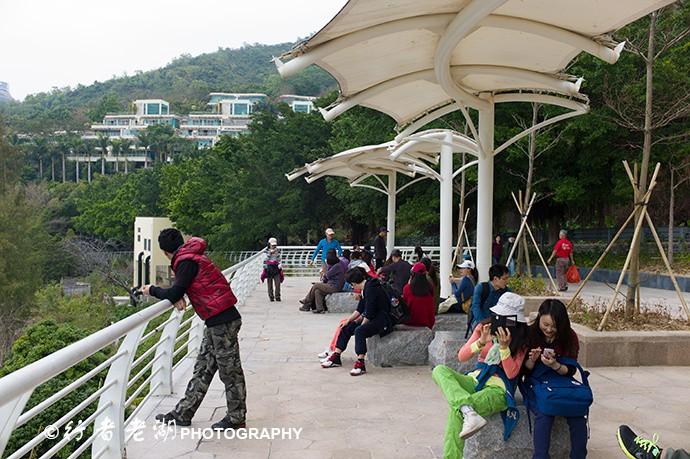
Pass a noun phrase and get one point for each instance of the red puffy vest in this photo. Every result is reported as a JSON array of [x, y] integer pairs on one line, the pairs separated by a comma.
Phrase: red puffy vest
[[209, 292]]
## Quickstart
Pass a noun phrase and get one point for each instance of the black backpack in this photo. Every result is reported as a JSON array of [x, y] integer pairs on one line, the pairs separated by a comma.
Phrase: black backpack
[[398, 310], [470, 316]]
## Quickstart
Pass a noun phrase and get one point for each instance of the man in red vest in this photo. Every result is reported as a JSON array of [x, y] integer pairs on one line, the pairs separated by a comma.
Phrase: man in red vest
[[213, 300]]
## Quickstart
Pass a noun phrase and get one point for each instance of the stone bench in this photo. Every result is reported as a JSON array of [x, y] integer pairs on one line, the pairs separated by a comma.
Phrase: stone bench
[[443, 350], [451, 322], [404, 346], [341, 302], [488, 443]]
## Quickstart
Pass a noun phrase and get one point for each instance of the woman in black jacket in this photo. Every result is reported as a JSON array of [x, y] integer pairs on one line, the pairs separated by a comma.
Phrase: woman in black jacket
[[371, 318]]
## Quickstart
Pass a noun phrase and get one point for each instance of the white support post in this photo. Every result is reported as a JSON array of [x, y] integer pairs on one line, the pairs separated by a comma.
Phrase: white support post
[[446, 220], [195, 336], [485, 191], [162, 367], [390, 223], [113, 400], [9, 413]]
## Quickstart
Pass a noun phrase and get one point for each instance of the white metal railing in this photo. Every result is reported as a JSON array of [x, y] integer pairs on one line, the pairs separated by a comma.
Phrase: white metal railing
[[297, 257], [119, 390]]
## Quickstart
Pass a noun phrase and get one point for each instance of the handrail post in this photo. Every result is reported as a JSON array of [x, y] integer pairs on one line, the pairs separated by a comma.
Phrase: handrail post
[[162, 367], [114, 399], [9, 413], [196, 334]]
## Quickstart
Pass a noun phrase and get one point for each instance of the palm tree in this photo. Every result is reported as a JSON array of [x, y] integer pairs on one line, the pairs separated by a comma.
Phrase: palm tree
[[103, 142]]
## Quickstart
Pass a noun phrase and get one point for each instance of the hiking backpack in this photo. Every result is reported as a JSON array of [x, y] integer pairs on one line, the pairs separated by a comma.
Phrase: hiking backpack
[[398, 310]]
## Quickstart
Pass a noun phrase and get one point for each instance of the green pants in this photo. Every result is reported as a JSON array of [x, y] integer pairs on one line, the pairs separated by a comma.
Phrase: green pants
[[459, 390]]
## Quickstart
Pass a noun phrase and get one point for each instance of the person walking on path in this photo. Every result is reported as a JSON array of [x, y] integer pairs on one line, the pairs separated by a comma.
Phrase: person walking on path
[[325, 244], [213, 300], [380, 252], [496, 250], [563, 251], [272, 270]]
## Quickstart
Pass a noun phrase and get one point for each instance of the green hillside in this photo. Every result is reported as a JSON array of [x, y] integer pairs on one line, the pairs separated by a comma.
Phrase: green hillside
[[185, 82]]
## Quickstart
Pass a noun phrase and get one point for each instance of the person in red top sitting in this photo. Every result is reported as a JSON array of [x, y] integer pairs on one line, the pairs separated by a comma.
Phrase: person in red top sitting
[[563, 251], [550, 336], [419, 297]]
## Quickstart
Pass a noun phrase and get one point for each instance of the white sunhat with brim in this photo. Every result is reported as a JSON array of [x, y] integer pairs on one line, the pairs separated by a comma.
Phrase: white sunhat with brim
[[273, 241], [510, 304], [466, 264]]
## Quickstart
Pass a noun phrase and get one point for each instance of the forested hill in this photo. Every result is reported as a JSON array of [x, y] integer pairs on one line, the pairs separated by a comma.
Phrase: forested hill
[[185, 82]]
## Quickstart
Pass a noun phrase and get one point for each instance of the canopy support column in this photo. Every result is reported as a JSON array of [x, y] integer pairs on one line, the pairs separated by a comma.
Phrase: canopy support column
[[390, 224], [446, 220], [485, 192]]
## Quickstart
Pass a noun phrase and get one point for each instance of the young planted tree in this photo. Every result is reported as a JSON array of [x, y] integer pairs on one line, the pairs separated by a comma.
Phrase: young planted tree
[[649, 95]]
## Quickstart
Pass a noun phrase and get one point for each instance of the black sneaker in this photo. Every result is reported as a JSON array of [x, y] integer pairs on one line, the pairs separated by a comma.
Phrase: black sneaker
[[305, 308], [278, 299], [172, 418], [636, 447], [332, 361], [226, 424]]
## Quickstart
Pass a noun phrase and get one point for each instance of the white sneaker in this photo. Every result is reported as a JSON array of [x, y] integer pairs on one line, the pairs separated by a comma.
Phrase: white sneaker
[[472, 424], [324, 354]]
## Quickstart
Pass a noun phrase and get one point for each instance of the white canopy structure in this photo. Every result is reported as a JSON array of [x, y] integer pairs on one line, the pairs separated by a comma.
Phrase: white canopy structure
[[415, 157], [417, 61]]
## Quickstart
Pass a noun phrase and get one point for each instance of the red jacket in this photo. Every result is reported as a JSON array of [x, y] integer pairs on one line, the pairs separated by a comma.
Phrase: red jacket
[[422, 308], [209, 292]]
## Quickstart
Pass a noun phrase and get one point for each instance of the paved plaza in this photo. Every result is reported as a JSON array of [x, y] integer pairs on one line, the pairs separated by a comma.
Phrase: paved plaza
[[389, 412]]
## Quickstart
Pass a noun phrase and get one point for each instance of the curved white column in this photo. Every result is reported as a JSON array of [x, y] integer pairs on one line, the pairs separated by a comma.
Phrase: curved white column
[[485, 192], [390, 223], [446, 218]]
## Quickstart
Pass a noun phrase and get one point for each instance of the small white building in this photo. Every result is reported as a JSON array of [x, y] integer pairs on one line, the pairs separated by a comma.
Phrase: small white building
[[151, 266]]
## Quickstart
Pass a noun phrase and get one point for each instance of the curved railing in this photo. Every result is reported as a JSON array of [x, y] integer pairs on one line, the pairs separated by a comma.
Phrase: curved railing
[[125, 380]]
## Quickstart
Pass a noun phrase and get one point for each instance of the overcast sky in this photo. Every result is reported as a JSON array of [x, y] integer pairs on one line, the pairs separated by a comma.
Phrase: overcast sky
[[47, 43]]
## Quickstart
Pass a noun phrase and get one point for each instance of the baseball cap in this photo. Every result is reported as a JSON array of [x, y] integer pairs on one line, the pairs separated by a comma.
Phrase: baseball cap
[[510, 304], [273, 241], [330, 231], [396, 253], [466, 264], [419, 268], [383, 229]]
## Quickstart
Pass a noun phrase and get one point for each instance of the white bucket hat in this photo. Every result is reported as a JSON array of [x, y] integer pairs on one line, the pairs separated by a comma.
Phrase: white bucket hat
[[510, 304]]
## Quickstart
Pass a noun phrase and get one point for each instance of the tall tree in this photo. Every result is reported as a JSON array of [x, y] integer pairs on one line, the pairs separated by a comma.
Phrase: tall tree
[[640, 108]]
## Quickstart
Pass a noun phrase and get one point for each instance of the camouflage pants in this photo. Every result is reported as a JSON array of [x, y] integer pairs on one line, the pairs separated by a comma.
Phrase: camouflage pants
[[220, 351]]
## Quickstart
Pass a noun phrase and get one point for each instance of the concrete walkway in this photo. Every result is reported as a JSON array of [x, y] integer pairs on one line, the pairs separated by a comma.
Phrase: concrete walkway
[[389, 412]]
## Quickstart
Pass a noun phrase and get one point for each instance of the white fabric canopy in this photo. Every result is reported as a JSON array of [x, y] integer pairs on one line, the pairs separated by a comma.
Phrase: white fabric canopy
[[407, 57]]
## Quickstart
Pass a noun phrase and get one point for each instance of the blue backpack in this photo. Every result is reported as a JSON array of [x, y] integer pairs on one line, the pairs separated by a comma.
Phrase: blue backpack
[[553, 394]]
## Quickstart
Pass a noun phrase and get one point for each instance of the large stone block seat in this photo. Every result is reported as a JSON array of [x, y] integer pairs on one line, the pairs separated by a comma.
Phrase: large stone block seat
[[403, 347], [488, 443], [443, 350], [341, 302], [451, 322]]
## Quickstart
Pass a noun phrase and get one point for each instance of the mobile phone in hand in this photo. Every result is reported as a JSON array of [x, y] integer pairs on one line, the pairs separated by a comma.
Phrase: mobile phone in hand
[[548, 352]]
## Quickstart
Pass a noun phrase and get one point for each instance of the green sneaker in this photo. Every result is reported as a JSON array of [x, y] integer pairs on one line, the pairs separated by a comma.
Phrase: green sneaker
[[636, 447]]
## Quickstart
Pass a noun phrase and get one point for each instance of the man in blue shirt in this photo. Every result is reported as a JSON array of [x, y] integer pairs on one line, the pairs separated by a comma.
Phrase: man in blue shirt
[[325, 244], [497, 286]]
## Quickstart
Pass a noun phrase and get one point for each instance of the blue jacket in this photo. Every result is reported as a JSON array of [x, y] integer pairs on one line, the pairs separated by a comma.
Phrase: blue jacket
[[481, 311], [324, 246]]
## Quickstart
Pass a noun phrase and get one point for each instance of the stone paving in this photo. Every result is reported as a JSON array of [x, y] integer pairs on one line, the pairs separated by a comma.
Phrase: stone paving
[[389, 412]]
